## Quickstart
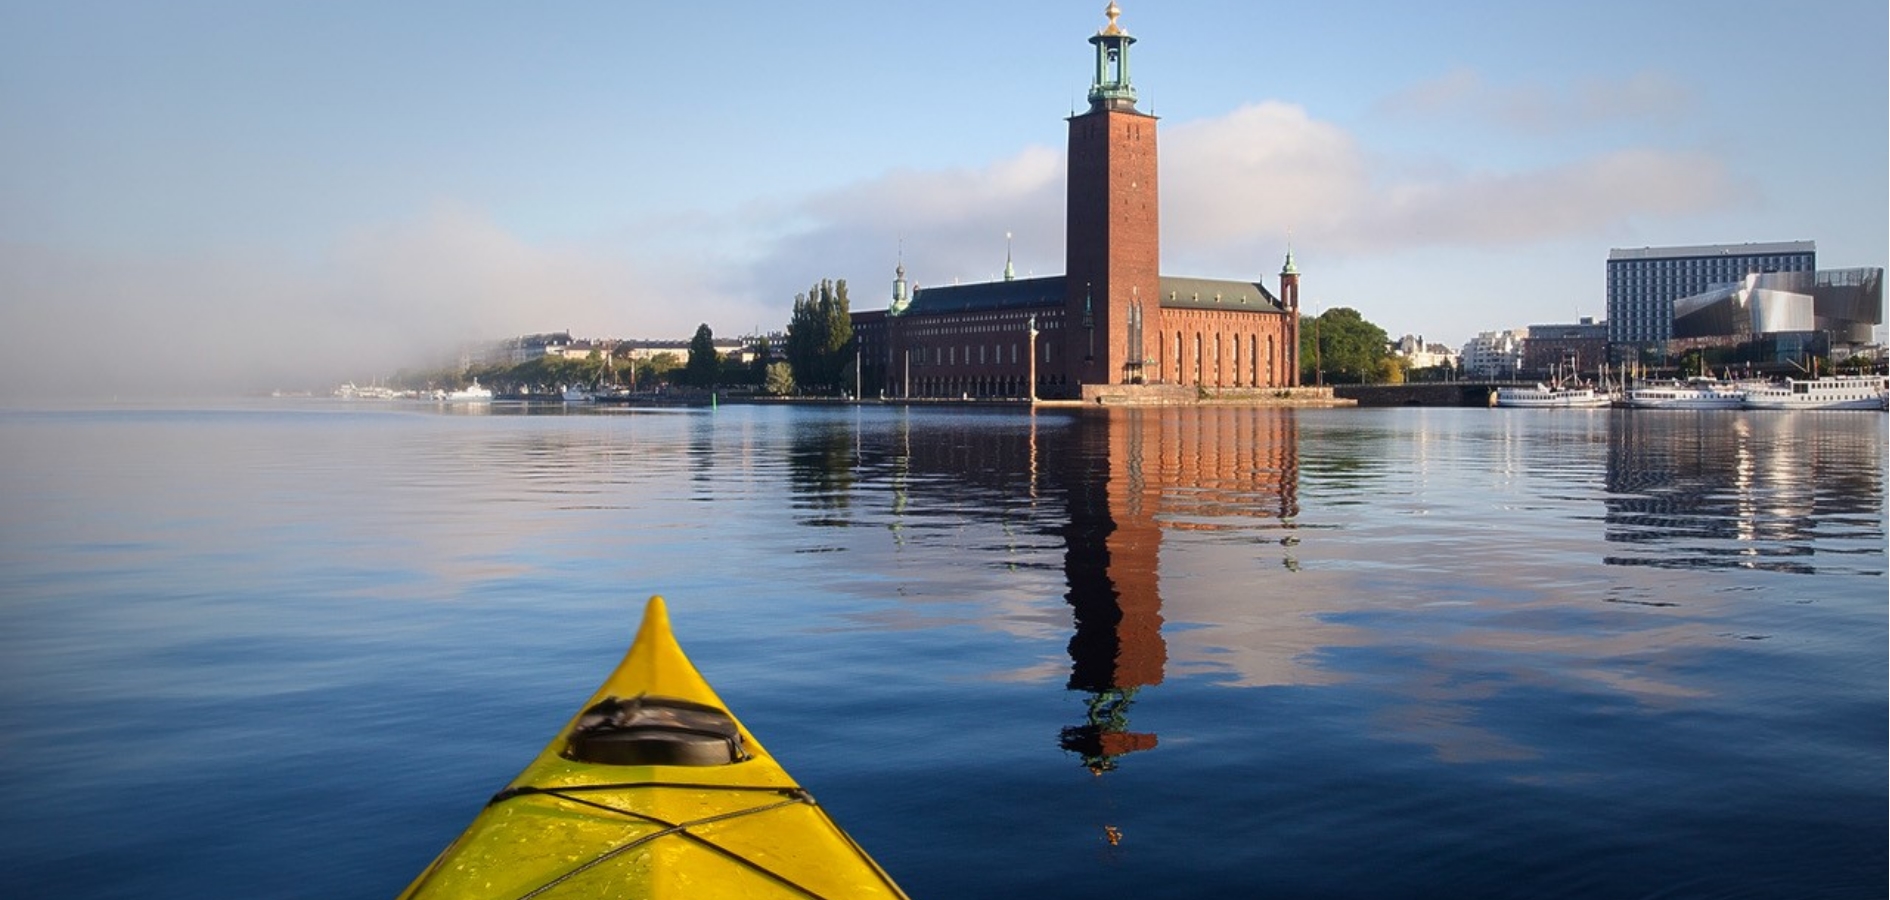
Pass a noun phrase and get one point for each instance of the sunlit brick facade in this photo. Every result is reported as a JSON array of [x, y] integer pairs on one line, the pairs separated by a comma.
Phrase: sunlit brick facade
[[1112, 318]]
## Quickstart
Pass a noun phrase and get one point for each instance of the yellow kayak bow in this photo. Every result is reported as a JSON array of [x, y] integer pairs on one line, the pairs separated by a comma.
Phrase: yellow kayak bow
[[653, 791]]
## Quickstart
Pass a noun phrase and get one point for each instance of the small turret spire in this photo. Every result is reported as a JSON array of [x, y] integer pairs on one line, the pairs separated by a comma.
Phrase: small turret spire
[[1010, 273], [901, 297]]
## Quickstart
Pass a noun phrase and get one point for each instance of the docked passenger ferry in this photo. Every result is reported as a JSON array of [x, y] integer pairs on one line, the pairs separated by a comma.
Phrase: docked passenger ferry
[[1543, 396], [1693, 393], [1829, 392]]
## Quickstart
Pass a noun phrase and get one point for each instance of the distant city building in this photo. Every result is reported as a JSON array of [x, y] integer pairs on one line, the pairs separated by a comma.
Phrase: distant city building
[[645, 350], [1495, 354], [1564, 350], [580, 348], [1644, 283], [562, 345], [512, 351], [1419, 355]]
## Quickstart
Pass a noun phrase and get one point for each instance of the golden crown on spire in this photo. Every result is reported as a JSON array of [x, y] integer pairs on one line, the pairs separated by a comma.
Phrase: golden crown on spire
[[1113, 12]]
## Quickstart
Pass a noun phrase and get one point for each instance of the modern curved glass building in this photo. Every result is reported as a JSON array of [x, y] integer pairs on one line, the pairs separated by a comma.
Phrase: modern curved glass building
[[1645, 283], [1725, 294]]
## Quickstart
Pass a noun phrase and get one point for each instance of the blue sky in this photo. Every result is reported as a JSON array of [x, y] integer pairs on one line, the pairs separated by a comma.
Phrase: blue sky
[[240, 195]]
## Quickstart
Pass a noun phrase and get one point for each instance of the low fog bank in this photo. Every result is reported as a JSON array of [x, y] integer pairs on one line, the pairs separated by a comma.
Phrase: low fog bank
[[79, 329], [76, 326]]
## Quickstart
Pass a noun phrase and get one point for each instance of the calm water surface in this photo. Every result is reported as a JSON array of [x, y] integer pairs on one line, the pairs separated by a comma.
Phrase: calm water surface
[[288, 649]]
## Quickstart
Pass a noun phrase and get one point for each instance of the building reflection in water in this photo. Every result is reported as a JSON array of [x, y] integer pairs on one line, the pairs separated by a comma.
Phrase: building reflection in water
[[1099, 487], [1736, 490], [1130, 475]]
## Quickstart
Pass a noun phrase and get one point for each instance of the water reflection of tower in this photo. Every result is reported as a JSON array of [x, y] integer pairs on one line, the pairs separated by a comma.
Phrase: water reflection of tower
[[1132, 476], [1111, 545]]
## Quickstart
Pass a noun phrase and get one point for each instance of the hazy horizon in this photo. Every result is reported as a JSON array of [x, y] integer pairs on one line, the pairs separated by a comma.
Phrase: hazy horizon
[[204, 199]]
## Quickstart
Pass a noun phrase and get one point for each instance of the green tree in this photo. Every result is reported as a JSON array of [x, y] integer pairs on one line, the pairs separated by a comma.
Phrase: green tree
[[610, 373], [735, 371], [780, 380], [546, 374], [840, 346], [820, 337], [705, 365], [764, 355], [1343, 346], [658, 368], [1693, 362], [1391, 370], [598, 368]]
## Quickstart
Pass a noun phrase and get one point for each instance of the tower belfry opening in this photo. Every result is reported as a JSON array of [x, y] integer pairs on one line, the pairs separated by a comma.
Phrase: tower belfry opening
[[1112, 88]]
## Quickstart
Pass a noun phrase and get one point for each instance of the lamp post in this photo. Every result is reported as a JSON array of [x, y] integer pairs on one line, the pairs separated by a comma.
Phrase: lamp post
[[1030, 386], [1318, 363]]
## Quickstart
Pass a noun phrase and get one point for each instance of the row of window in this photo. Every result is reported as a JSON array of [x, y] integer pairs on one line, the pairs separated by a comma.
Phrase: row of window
[[1244, 353], [986, 324], [948, 356], [1246, 367], [1791, 262]]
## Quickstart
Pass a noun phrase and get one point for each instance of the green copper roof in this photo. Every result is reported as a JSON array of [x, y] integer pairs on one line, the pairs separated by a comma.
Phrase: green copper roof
[[1215, 293], [1112, 88], [1176, 293]]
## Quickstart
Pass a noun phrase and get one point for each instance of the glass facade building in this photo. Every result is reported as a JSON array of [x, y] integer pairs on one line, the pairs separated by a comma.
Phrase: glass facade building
[[1643, 283]]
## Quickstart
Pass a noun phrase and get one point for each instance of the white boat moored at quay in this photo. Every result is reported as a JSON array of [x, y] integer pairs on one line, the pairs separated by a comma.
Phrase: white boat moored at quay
[[1543, 396], [474, 394], [1693, 393], [1828, 392]]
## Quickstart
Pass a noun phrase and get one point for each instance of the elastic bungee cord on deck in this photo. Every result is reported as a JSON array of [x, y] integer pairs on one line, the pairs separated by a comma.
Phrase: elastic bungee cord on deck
[[792, 796]]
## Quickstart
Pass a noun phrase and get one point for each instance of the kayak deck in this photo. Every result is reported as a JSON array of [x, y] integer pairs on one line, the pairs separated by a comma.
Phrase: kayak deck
[[570, 826]]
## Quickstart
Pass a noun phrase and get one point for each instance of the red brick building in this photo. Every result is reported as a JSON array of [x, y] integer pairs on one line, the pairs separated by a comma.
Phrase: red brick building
[[1112, 318]]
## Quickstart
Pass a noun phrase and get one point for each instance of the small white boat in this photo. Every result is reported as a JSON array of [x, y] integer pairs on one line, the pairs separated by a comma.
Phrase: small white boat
[[1828, 392], [351, 391], [473, 394], [1693, 393], [574, 393], [1543, 396]]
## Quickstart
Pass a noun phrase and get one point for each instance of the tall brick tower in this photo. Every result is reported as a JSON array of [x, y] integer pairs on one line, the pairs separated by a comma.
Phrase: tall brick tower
[[1113, 231]]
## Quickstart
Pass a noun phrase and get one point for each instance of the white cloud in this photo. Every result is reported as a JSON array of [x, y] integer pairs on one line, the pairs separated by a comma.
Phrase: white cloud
[[1463, 95], [1586, 197], [951, 224], [1234, 185]]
